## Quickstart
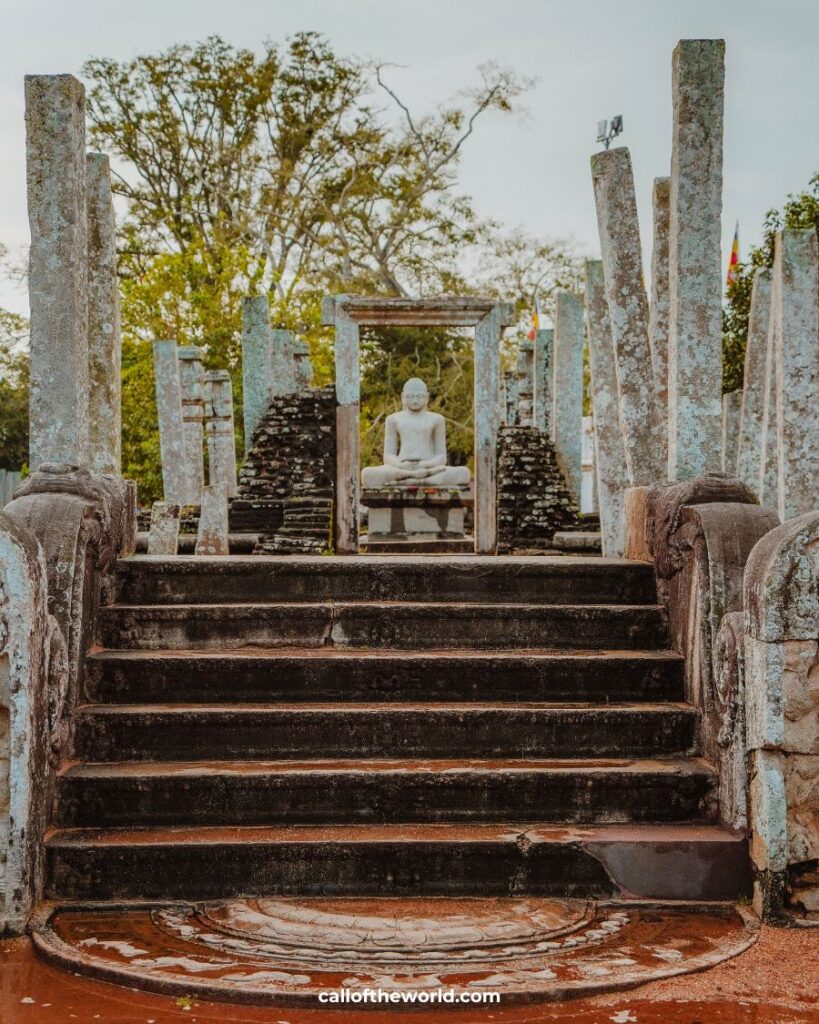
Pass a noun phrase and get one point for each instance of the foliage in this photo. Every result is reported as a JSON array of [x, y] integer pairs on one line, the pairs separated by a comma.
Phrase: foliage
[[13, 391], [799, 211]]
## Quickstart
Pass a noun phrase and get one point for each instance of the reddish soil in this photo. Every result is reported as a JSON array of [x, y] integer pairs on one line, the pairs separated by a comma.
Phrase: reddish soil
[[775, 982]]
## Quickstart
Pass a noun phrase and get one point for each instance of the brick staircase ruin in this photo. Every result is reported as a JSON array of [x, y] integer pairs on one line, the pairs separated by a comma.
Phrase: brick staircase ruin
[[386, 726]]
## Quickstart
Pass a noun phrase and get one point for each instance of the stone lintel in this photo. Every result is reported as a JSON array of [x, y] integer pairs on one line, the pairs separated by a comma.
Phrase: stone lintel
[[373, 311]]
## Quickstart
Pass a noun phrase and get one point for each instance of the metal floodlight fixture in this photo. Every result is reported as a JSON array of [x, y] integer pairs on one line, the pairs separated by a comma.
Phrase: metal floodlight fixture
[[606, 131]]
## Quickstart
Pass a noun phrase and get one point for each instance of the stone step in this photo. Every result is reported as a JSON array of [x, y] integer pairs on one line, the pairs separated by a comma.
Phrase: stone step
[[679, 862], [381, 791], [336, 674], [466, 578], [392, 625], [190, 732]]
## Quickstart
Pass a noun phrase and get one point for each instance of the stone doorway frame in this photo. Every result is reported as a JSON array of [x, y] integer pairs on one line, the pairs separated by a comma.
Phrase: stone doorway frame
[[347, 314]]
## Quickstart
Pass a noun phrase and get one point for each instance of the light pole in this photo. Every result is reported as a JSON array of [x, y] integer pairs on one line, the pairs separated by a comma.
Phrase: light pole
[[606, 131]]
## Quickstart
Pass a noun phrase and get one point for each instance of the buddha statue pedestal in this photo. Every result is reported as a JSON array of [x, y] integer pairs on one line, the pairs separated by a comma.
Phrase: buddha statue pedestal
[[416, 519]]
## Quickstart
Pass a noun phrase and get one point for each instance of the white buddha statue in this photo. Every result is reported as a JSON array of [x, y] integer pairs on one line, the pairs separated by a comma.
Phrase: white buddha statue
[[415, 446]]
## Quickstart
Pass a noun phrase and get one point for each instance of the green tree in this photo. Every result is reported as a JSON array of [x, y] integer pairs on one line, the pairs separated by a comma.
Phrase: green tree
[[799, 211], [14, 376]]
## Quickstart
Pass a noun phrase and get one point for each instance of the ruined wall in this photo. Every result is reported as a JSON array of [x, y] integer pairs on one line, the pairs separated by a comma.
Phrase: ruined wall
[[287, 481], [532, 498]]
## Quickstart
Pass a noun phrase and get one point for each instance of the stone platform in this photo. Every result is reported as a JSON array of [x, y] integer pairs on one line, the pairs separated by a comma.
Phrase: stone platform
[[417, 519], [285, 952]]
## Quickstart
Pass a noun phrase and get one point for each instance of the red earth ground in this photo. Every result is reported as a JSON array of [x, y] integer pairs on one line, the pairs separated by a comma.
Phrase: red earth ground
[[774, 982]]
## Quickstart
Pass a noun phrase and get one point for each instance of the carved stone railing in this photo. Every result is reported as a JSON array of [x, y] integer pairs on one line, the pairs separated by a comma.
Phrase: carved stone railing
[[782, 692], [59, 541]]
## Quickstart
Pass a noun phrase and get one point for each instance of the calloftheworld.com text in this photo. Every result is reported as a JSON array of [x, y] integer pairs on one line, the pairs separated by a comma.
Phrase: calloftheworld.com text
[[382, 995]]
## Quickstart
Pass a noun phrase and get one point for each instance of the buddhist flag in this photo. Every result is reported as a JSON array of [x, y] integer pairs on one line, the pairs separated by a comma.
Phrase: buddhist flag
[[733, 262], [535, 324]]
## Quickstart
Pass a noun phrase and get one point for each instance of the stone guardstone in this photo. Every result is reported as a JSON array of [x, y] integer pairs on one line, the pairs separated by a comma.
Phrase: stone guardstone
[[212, 537], [163, 538]]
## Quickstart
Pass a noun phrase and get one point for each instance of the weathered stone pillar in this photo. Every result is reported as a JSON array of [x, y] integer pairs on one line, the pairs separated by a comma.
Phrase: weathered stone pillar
[[58, 270], [768, 486], [487, 406], [695, 271], [212, 536], [796, 313], [544, 343], [163, 537], [510, 394], [192, 384], [302, 365], [219, 431], [628, 315], [525, 373], [610, 467], [750, 444], [567, 389], [282, 362], [658, 309], [731, 408], [257, 375], [104, 342], [169, 414]]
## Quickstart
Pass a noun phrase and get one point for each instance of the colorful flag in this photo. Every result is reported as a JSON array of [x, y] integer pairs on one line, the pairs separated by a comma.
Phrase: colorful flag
[[733, 262], [535, 323]]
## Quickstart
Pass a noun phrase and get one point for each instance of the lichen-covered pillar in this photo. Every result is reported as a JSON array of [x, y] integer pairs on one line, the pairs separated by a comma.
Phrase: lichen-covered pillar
[[219, 431], [169, 414], [104, 342], [192, 384], [731, 408], [302, 365], [611, 471], [348, 395], [768, 484], [750, 442], [487, 406], [796, 313], [163, 536], [510, 394], [525, 373], [212, 535], [644, 435], [256, 362], [567, 389], [283, 362], [58, 270], [695, 260], [658, 308], [542, 411]]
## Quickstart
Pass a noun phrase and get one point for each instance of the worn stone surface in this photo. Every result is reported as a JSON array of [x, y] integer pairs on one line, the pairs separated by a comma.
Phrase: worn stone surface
[[525, 369], [169, 413], [643, 432], [219, 431], [286, 356], [768, 482], [104, 341], [212, 537], [695, 260], [610, 457], [192, 387], [751, 443], [637, 523], [795, 311], [659, 306], [401, 511], [302, 364], [487, 416], [533, 500], [510, 396], [58, 269], [163, 538], [731, 412], [567, 389], [257, 370], [542, 410]]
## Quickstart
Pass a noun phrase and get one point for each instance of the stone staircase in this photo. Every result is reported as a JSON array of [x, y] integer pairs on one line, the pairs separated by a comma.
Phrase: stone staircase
[[386, 726]]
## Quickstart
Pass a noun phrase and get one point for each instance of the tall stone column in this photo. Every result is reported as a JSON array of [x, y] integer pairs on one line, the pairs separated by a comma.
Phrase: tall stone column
[[525, 373], [510, 394], [694, 266], [796, 313], [567, 389], [731, 409], [754, 384], [58, 269], [611, 471], [487, 406], [169, 413], [628, 315], [219, 431], [192, 383], [658, 308], [282, 362], [544, 344], [257, 370], [104, 341], [768, 483], [302, 365]]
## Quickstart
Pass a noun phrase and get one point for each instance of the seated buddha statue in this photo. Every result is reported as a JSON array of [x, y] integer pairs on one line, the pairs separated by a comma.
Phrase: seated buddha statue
[[415, 447]]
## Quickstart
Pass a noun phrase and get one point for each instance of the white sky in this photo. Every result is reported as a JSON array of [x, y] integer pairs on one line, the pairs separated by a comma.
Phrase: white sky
[[593, 58]]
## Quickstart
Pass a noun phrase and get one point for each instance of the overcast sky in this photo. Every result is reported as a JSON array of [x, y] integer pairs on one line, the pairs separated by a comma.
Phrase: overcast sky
[[593, 59]]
